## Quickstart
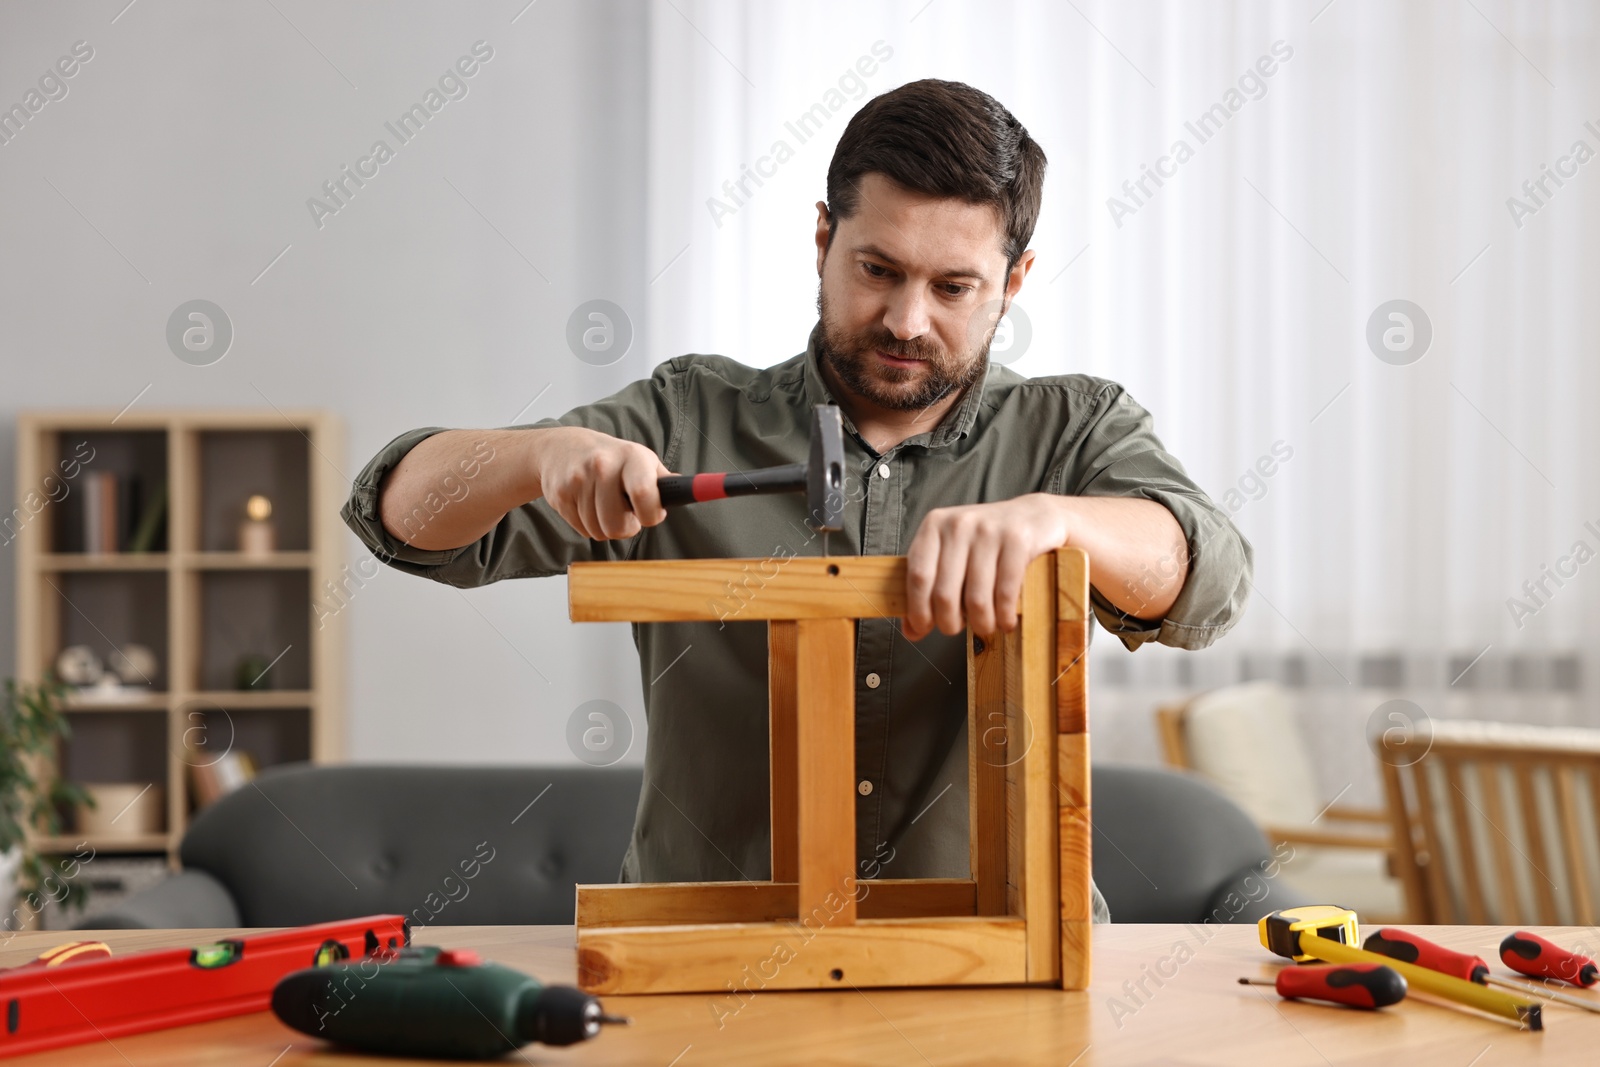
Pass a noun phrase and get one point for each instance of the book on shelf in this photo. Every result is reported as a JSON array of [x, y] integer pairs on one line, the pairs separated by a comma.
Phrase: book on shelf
[[100, 512], [214, 780], [120, 516], [147, 530]]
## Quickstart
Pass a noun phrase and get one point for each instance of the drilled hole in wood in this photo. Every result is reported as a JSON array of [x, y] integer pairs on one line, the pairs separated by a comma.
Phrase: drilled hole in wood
[[836, 974], [833, 568]]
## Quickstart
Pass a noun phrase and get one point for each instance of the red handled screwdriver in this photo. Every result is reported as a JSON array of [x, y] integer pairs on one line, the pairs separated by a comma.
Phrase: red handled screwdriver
[[1532, 955], [1409, 948], [1360, 985]]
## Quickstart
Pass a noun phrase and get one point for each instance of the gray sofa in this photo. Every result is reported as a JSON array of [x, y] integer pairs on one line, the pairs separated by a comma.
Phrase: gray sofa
[[463, 846], [1169, 847], [453, 846]]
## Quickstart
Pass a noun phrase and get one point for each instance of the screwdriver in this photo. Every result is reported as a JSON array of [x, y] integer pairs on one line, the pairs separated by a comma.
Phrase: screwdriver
[[1532, 955], [1409, 948], [1360, 985]]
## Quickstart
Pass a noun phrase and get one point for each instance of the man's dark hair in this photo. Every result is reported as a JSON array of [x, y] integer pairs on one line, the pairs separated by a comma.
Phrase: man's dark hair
[[945, 139]]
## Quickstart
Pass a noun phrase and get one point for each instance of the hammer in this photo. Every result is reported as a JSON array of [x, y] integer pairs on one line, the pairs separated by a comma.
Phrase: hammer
[[821, 478]]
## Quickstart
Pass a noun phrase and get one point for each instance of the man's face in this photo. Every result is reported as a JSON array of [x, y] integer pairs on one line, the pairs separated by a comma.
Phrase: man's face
[[909, 294]]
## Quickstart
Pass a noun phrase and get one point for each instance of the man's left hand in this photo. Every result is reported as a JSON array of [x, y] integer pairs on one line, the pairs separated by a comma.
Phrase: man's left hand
[[966, 564]]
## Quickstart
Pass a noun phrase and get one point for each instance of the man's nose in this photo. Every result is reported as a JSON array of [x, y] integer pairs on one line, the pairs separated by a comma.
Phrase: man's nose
[[907, 314]]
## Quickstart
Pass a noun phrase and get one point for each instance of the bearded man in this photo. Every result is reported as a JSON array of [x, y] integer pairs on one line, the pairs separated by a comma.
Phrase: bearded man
[[962, 465]]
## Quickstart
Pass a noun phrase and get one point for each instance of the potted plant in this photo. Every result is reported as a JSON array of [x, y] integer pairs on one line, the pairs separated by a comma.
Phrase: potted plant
[[33, 796]]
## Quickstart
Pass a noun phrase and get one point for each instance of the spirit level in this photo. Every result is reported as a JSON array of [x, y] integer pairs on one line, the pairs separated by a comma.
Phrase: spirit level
[[76, 1002]]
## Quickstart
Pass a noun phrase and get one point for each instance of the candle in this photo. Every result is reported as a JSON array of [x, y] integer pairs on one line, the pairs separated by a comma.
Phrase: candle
[[257, 535]]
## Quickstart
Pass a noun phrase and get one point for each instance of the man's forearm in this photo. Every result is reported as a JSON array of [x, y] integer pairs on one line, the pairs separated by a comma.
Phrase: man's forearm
[[1138, 555], [456, 485]]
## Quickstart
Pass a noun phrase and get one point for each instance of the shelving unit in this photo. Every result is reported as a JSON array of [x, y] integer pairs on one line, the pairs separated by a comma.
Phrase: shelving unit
[[194, 598]]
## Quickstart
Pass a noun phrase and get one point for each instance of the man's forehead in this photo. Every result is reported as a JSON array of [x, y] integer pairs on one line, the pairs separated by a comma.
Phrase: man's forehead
[[947, 236]]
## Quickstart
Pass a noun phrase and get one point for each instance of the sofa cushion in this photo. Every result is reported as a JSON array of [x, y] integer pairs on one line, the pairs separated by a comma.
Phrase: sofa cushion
[[448, 846], [1169, 847]]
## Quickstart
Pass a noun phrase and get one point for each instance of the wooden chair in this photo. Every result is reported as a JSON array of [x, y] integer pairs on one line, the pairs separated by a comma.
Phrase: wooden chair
[[1172, 726], [1499, 823], [1023, 916], [1253, 749]]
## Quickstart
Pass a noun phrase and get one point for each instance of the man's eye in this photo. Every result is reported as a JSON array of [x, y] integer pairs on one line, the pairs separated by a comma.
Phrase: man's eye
[[876, 270], [952, 289]]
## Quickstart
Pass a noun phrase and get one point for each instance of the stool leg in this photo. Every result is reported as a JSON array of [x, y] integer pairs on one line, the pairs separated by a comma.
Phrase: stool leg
[[825, 689], [1034, 645], [1072, 765], [987, 758], [782, 755]]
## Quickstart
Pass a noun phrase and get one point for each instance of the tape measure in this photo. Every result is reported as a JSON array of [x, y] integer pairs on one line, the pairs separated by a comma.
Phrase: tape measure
[[1280, 931]]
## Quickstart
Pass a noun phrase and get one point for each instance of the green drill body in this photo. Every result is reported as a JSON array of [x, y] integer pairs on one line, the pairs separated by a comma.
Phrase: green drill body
[[424, 1001]]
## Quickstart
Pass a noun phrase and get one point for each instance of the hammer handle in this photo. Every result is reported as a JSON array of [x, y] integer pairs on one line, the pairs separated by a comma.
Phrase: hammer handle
[[678, 489]]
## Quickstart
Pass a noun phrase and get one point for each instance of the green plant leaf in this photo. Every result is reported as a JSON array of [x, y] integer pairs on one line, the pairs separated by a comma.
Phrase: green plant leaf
[[33, 722]]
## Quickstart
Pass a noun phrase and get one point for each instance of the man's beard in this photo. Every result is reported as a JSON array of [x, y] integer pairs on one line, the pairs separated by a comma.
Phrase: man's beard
[[849, 356]]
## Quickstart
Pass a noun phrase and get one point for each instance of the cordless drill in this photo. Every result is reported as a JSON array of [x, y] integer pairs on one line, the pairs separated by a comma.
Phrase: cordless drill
[[427, 1001]]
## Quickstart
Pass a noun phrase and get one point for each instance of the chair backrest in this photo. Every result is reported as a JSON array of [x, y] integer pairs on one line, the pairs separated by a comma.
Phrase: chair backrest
[[447, 846], [1170, 848], [1496, 823], [1247, 740]]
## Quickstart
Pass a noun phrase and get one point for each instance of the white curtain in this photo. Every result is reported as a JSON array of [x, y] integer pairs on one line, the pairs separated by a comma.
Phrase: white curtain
[[1405, 504]]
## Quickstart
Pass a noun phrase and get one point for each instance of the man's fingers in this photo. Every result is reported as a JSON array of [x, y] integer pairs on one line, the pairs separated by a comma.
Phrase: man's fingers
[[979, 595], [565, 502], [639, 474], [950, 580], [1010, 570], [604, 488], [922, 561], [588, 522], [611, 507]]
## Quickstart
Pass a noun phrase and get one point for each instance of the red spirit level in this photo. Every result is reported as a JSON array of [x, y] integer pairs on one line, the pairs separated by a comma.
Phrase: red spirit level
[[52, 1007]]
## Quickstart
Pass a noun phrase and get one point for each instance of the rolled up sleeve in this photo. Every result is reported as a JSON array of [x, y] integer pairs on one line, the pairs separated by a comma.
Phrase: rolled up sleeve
[[531, 540], [1121, 456]]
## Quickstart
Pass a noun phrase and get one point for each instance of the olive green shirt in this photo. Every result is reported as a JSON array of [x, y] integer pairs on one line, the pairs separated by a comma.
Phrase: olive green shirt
[[702, 814]]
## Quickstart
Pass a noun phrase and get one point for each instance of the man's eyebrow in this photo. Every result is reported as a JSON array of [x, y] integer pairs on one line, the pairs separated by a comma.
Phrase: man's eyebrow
[[953, 272]]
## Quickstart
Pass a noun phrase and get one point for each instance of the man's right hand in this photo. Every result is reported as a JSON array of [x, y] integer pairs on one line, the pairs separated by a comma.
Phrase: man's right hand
[[456, 485], [603, 486]]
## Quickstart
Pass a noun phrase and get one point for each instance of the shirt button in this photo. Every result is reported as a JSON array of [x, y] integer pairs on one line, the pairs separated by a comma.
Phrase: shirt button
[[883, 470], [864, 787], [873, 681]]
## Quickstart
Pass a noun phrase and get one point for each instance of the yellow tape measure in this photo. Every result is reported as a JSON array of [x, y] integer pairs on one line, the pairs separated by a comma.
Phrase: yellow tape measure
[[1280, 931]]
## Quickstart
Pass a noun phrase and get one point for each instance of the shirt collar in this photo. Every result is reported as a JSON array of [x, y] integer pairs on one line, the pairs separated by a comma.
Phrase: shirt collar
[[956, 424]]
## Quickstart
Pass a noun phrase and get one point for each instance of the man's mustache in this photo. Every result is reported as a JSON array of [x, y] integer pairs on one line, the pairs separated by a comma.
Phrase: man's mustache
[[902, 349]]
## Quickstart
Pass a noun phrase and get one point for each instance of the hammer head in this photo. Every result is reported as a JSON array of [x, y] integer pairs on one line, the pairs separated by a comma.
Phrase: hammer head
[[825, 471]]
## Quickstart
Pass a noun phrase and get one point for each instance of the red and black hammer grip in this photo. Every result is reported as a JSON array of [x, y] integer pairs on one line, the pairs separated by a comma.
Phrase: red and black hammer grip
[[1532, 955], [690, 488], [1360, 985], [678, 489], [1409, 948]]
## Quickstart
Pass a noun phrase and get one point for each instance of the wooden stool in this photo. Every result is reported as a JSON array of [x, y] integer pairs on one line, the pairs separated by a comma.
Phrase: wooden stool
[[1021, 918]]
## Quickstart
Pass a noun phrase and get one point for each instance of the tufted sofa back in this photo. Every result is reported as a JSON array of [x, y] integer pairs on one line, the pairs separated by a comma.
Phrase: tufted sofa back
[[446, 846]]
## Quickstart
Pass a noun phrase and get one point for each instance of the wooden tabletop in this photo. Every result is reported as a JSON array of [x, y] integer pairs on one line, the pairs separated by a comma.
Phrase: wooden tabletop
[[1195, 1013]]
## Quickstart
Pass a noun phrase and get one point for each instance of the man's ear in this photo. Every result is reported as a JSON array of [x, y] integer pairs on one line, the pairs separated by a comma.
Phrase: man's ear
[[1014, 279], [822, 234]]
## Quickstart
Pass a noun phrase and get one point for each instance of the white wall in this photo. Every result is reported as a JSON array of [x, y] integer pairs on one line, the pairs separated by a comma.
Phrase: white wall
[[191, 142]]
